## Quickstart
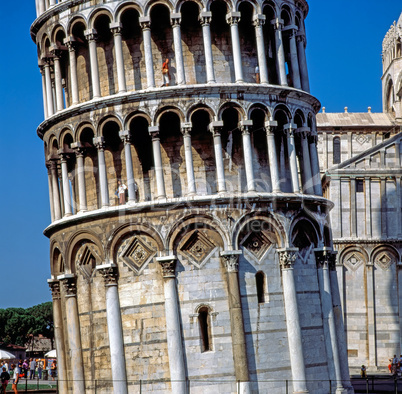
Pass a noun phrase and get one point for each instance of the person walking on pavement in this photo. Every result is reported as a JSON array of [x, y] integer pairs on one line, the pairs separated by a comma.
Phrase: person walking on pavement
[[32, 367], [16, 376]]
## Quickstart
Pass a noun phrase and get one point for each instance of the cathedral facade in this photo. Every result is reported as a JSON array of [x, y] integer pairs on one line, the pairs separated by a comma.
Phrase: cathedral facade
[[360, 160], [190, 246]]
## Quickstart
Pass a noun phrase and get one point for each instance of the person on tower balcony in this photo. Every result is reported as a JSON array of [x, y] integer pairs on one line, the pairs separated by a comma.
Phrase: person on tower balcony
[[121, 192], [165, 73]]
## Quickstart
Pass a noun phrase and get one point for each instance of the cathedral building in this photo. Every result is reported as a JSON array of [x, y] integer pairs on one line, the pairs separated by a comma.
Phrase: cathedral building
[[360, 160], [190, 243]]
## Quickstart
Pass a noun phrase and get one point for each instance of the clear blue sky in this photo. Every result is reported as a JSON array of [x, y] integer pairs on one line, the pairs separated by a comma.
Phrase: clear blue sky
[[344, 59]]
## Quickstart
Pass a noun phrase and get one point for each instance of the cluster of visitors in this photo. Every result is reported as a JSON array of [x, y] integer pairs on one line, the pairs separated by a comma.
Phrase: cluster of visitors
[[395, 365]]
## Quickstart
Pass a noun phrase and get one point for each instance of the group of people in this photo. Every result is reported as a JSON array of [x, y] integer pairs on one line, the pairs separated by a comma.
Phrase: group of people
[[21, 370], [395, 365]]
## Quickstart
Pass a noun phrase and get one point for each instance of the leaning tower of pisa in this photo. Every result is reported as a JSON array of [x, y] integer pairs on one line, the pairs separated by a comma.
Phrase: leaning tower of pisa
[[190, 249]]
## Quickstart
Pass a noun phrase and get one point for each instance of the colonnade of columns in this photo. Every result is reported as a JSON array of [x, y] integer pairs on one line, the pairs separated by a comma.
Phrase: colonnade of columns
[[62, 204], [53, 99]]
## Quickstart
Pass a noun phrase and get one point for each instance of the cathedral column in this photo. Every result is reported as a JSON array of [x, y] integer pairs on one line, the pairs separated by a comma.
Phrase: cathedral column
[[91, 36], [205, 19], [57, 78], [294, 61], [288, 129], [272, 155], [54, 285], [215, 129], [156, 148], [188, 154], [99, 143], [244, 127], [49, 92], [280, 52], [115, 328], [116, 28], [82, 193], [173, 327], [258, 22], [307, 176], [49, 181], [315, 166], [125, 137], [233, 18], [65, 183], [178, 51], [70, 42], [323, 260], [55, 187], [301, 54], [287, 257], [149, 63], [338, 318], [44, 94], [230, 259], [73, 333]]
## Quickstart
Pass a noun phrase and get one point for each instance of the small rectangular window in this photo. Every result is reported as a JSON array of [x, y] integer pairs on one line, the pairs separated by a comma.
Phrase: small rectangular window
[[359, 186]]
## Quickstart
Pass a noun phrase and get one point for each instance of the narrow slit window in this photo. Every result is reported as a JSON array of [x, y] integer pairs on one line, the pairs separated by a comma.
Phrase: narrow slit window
[[336, 150], [260, 283], [359, 186], [205, 329]]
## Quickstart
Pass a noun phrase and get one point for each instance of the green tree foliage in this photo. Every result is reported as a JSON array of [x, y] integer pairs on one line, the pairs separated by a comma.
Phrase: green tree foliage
[[17, 325]]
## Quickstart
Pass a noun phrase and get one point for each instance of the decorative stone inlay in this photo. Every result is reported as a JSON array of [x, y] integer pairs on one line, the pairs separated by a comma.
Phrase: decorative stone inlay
[[197, 248], [87, 258], [361, 139], [136, 254], [353, 261], [54, 288], [383, 261], [257, 243], [287, 257]]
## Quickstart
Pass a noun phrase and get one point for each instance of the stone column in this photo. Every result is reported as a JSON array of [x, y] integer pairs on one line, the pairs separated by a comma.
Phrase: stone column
[[114, 328], [245, 126], [294, 61], [288, 129], [371, 321], [149, 63], [116, 28], [156, 147], [91, 36], [55, 187], [205, 19], [82, 192], [49, 93], [383, 193], [99, 143], [57, 78], [301, 39], [65, 183], [73, 333], [272, 156], [125, 137], [52, 3], [367, 192], [280, 52], [308, 183], [178, 51], [330, 337], [338, 318], [233, 19], [315, 166], [41, 7], [287, 258], [54, 285], [230, 259], [44, 94], [258, 22], [49, 181], [215, 129], [173, 326], [188, 154], [70, 42]]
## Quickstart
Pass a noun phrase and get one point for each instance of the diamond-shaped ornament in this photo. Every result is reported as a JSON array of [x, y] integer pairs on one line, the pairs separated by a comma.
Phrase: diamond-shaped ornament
[[353, 261], [136, 254], [257, 243], [198, 248], [87, 259], [384, 261]]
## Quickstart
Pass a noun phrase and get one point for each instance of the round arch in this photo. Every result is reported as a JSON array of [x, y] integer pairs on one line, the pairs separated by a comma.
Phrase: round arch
[[133, 115], [200, 107], [104, 121], [97, 12], [74, 21], [163, 110], [180, 3], [127, 5], [229, 5], [152, 3], [58, 29], [232, 104]]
